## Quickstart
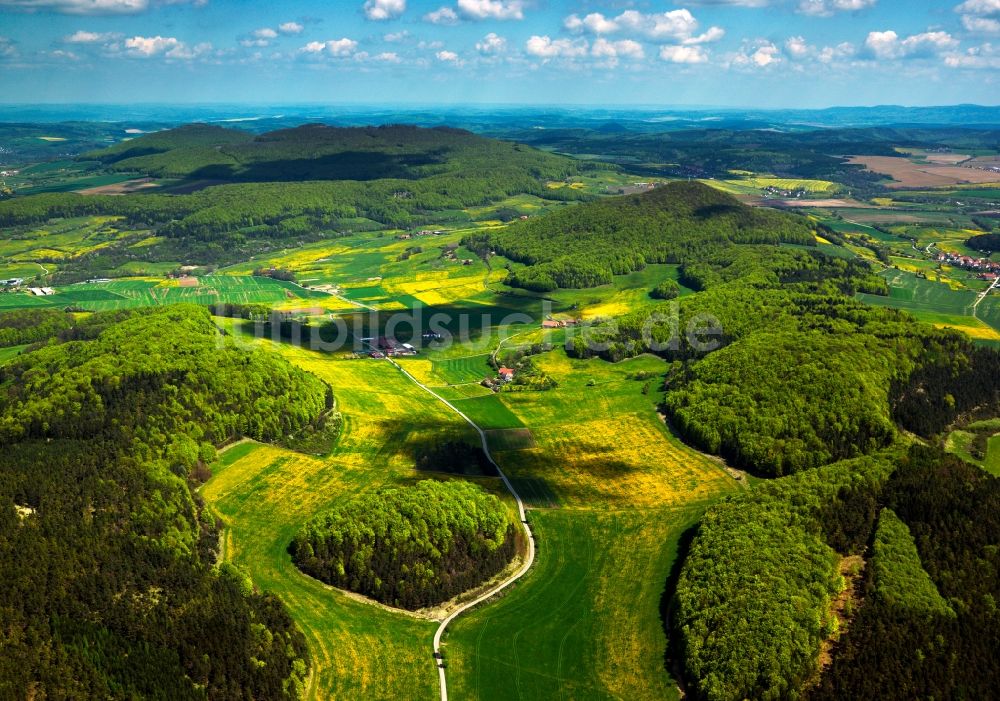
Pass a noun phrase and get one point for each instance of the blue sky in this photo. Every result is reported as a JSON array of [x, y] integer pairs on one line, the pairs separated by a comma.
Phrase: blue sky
[[742, 53]]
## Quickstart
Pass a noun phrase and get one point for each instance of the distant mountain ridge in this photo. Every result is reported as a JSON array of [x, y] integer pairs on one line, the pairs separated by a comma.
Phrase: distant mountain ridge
[[319, 152]]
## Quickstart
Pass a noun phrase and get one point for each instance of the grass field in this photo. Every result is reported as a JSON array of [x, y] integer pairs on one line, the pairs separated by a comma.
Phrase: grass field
[[960, 443], [585, 623], [265, 494], [9, 353]]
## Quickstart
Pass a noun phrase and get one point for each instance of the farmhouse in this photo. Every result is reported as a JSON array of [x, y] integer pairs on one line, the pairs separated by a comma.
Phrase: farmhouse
[[506, 374], [551, 324]]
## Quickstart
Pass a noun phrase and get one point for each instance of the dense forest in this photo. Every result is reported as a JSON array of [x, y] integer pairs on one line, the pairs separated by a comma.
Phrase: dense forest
[[753, 600], [111, 588], [677, 223], [411, 546], [929, 626], [766, 567], [24, 326], [984, 242]]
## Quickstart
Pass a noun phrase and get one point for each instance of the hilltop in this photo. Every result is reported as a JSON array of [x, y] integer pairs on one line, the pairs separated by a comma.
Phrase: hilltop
[[585, 246], [321, 152]]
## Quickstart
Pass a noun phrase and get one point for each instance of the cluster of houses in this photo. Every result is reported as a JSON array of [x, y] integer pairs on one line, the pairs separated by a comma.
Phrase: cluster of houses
[[449, 254], [423, 232], [988, 269], [12, 282], [41, 291], [386, 347], [633, 189], [772, 191], [8, 173], [559, 323]]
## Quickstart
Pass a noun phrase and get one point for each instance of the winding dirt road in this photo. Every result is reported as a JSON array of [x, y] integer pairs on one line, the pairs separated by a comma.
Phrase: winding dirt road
[[524, 524]]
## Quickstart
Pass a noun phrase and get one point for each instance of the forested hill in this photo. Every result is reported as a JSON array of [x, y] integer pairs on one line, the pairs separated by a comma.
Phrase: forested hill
[[320, 152], [678, 222], [107, 555]]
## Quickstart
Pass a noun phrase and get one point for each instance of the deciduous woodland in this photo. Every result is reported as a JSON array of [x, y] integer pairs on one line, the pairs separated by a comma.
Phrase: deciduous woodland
[[110, 586], [410, 547]]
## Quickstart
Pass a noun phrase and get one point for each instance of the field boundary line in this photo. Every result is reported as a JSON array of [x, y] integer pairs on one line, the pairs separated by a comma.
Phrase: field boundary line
[[524, 524]]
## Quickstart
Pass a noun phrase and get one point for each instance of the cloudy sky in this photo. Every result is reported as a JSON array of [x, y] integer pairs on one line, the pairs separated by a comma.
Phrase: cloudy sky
[[752, 53]]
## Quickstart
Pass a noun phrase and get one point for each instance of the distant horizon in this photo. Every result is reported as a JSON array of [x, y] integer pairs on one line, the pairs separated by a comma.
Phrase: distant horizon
[[693, 107]]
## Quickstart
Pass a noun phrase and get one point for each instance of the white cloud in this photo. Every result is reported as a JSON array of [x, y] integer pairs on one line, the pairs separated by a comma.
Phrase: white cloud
[[447, 56], [491, 44], [59, 53], [978, 57], [731, 3], [491, 9], [265, 33], [388, 57], [595, 23], [443, 15], [547, 48], [84, 37], [675, 25], [756, 54], [290, 28], [981, 25], [888, 45], [151, 46], [168, 47], [829, 54], [337, 48], [797, 47], [627, 48], [979, 7], [712, 35], [980, 16], [826, 8], [92, 7], [396, 36], [683, 54], [381, 10]]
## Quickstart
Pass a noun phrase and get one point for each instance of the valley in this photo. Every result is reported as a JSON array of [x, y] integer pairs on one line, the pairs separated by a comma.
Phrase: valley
[[708, 375]]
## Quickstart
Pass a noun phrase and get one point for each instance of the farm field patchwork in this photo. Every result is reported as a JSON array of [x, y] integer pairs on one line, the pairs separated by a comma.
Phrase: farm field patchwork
[[909, 173], [139, 292]]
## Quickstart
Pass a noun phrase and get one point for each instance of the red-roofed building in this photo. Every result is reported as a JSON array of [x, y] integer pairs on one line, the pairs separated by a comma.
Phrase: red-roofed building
[[506, 374]]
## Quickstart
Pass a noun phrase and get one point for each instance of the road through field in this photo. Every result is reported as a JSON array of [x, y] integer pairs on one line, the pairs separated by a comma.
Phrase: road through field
[[524, 524], [982, 295]]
